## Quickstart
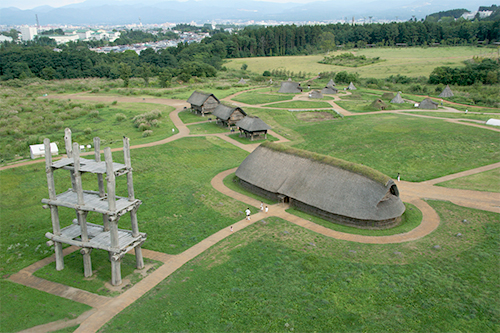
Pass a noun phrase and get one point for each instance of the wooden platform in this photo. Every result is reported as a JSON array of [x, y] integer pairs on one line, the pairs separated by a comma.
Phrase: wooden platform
[[91, 166], [93, 203], [98, 238]]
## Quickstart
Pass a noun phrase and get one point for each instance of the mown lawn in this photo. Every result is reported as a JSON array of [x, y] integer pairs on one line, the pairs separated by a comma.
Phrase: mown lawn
[[255, 98], [24, 307], [275, 276], [246, 141], [457, 115], [300, 105], [207, 128], [419, 149], [188, 117], [488, 181]]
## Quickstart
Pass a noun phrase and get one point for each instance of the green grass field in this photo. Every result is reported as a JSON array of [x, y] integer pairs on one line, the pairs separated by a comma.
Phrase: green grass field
[[300, 105], [275, 276], [483, 117], [189, 117], [488, 181], [254, 98], [246, 141], [404, 61], [24, 307], [207, 128]]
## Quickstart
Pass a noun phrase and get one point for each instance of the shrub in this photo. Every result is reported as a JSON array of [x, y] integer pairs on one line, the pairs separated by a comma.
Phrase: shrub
[[100, 105], [87, 131], [144, 126], [147, 133], [114, 103], [120, 117], [95, 91], [94, 114]]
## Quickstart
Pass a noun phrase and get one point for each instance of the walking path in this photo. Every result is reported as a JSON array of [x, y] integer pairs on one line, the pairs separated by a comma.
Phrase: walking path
[[105, 308]]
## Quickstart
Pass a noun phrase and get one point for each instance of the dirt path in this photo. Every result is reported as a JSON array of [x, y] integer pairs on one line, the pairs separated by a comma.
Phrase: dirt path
[[106, 308]]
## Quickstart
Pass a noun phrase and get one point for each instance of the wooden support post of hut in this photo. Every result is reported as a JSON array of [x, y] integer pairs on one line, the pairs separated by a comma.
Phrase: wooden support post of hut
[[117, 242]]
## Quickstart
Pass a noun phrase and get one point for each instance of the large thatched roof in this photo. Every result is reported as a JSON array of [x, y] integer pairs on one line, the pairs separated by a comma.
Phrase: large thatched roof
[[198, 98], [446, 92], [428, 104], [315, 94], [398, 99], [252, 124], [328, 90], [289, 87], [335, 186], [224, 112], [378, 104], [351, 86]]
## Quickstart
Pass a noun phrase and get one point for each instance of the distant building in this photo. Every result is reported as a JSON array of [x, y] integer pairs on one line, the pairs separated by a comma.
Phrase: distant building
[[5, 39], [64, 39], [39, 150], [28, 33]]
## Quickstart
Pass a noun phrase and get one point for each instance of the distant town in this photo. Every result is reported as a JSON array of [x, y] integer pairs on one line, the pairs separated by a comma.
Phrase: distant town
[[109, 34]]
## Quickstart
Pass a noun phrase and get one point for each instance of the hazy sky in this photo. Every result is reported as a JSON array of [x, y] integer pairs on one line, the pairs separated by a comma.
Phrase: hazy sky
[[29, 4]]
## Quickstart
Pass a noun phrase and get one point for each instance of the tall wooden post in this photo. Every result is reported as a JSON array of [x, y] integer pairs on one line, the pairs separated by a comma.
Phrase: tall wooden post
[[81, 215], [139, 261], [69, 151], [100, 180], [54, 211], [116, 278]]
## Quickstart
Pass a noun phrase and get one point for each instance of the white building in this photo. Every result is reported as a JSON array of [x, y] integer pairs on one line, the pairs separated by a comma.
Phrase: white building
[[5, 39], [64, 39], [39, 150], [28, 33]]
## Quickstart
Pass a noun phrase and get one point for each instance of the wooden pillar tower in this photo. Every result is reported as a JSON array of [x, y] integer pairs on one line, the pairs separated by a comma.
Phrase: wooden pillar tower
[[88, 235]]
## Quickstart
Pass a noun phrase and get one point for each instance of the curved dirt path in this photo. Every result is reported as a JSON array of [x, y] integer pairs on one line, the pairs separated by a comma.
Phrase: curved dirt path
[[104, 309]]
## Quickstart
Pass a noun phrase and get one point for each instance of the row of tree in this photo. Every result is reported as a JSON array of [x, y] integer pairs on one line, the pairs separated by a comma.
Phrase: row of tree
[[203, 59]]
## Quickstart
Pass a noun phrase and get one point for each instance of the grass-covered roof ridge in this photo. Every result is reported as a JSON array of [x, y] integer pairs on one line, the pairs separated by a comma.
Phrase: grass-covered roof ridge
[[359, 169]]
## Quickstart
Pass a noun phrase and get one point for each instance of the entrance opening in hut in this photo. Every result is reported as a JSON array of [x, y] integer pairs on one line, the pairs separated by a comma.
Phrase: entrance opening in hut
[[394, 190]]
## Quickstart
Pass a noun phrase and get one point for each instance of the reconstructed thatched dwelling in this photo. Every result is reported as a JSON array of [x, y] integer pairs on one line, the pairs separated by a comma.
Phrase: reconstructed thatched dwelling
[[379, 104], [289, 87], [315, 94], [351, 87], [398, 99], [329, 90], [331, 83], [428, 104], [242, 81], [228, 115], [252, 126], [446, 92], [336, 190], [203, 103]]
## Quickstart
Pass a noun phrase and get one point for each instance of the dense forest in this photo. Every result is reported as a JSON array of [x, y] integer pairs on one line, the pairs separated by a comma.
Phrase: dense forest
[[75, 60]]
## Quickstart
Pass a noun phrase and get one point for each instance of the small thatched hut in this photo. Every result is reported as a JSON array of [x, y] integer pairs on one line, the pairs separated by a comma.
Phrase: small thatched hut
[[315, 94], [331, 83], [398, 99], [336, 190], [242, 81], [289, 87], [428, 104], [446, 92], [351, 86], [203, 103], [228, 115], [329, 90], [252, 126], [378, 104]]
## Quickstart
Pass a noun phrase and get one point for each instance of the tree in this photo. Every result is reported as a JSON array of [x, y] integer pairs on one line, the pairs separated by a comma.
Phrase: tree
[[327, 41], [48, 73], [165, 78], [244, 67], [125, 74], [145, 73]]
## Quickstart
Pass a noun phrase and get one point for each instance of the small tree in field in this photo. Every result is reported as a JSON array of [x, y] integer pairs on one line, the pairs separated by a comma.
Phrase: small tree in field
[[244, 67], [125, 74]]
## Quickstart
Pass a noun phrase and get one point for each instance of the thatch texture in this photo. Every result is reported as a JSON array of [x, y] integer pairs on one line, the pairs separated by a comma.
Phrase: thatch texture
[[252, 124], [446, 92], [331, 83], [242, 81], [329, 90], [378, 104], [203, 102], [351, 86], [428, 104], [229, 115], [315, 94], [289, 87], [323, 185], [398, 99]]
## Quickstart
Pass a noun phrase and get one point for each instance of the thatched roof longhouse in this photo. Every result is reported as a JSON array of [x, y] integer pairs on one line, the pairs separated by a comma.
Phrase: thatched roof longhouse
[[320, 182], [315, 94]]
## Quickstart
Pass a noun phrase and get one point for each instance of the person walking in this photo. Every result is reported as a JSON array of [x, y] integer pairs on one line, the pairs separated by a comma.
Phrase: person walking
[[399, 177], [261, 206], [247, 212], [266, 209]]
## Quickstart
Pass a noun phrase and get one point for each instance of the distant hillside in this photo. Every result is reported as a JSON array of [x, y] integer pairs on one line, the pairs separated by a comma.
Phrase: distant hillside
[[202, 11], [455, 13]]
